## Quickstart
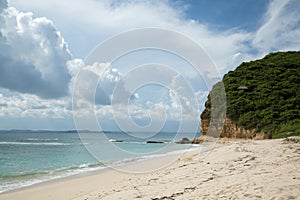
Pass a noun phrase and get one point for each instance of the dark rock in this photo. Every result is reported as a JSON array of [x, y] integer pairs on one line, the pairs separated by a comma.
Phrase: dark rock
[[154, 142], [184, 141]]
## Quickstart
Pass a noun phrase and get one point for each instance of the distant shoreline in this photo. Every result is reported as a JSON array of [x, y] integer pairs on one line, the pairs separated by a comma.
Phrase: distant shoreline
[[76, 131]]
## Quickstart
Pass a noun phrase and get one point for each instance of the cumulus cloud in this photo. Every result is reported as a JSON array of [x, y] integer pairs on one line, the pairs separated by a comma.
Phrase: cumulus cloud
[[171, 100], [163, 92], [33, 55], [26, 105], [96, 83]]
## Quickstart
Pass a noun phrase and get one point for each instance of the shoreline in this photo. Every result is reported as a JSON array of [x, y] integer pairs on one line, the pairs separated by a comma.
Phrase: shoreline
[[93, 174], [101, 168], [250, 169], [56, 180]]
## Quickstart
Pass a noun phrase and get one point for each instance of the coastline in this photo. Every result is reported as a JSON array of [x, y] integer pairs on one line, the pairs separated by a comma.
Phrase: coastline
[[121, 165], [34, 158], [236, 169]]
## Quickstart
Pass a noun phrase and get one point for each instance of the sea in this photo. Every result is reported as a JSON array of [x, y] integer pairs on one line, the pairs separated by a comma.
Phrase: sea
[[31, 157]]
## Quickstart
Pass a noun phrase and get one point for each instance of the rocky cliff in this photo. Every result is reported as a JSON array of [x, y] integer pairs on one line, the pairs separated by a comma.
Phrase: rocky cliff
[[231, 130], [261, 98]]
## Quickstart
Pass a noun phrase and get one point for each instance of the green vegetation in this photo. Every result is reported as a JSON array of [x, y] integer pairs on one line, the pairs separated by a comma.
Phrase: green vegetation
[[264, 94]]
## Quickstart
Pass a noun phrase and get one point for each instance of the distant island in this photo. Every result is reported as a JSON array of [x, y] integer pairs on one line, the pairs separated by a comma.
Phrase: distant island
[[262, 98]]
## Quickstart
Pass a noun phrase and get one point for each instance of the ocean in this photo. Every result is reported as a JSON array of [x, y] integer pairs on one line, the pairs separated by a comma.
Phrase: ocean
[[30, 157]]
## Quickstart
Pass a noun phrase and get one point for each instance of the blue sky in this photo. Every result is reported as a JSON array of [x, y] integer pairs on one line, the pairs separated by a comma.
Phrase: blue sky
[[43, 45], [222, 15]]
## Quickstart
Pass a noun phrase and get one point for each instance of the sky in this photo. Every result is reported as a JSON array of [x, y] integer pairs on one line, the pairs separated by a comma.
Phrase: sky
[[44, 45]]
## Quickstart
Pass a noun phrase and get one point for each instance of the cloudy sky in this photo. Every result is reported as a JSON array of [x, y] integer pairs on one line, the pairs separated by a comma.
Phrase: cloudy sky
[[45, 44]]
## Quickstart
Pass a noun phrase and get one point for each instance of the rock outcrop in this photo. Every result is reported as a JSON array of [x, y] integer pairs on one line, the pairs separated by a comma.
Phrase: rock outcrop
[[231, 130]]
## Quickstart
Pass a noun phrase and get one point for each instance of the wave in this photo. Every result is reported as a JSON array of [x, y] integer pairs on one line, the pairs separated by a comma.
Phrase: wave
[[21, 175], [41, 139], [23, 179], [70, 169], [36, 143], [113, 140]]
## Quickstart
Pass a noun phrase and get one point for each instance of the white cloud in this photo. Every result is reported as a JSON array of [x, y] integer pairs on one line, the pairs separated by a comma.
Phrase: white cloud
[[178, 103], [95, 83], [100, 20], [281, 30], [26, 105], [33, 55]]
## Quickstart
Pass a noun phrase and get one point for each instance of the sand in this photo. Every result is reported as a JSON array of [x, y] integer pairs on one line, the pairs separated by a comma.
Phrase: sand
[[267, 169]]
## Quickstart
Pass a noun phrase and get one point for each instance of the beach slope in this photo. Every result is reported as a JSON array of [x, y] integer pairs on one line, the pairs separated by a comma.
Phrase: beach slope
[[267, 169]]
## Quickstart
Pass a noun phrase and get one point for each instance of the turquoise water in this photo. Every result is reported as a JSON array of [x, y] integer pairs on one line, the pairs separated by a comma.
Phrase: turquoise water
[[28, 157]]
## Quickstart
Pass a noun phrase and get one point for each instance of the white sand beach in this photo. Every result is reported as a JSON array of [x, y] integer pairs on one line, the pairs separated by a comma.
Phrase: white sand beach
[[266, 169]]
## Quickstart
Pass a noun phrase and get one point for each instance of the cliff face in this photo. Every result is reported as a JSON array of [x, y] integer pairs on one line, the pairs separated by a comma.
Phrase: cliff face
[[258, 100], [232, 130]]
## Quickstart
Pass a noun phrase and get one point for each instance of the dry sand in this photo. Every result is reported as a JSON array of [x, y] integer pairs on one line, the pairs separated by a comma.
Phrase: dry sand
[[268, 169]]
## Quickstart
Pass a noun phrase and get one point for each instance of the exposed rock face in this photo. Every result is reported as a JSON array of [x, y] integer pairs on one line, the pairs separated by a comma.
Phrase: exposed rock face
[[231, 130], [204, 126]]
